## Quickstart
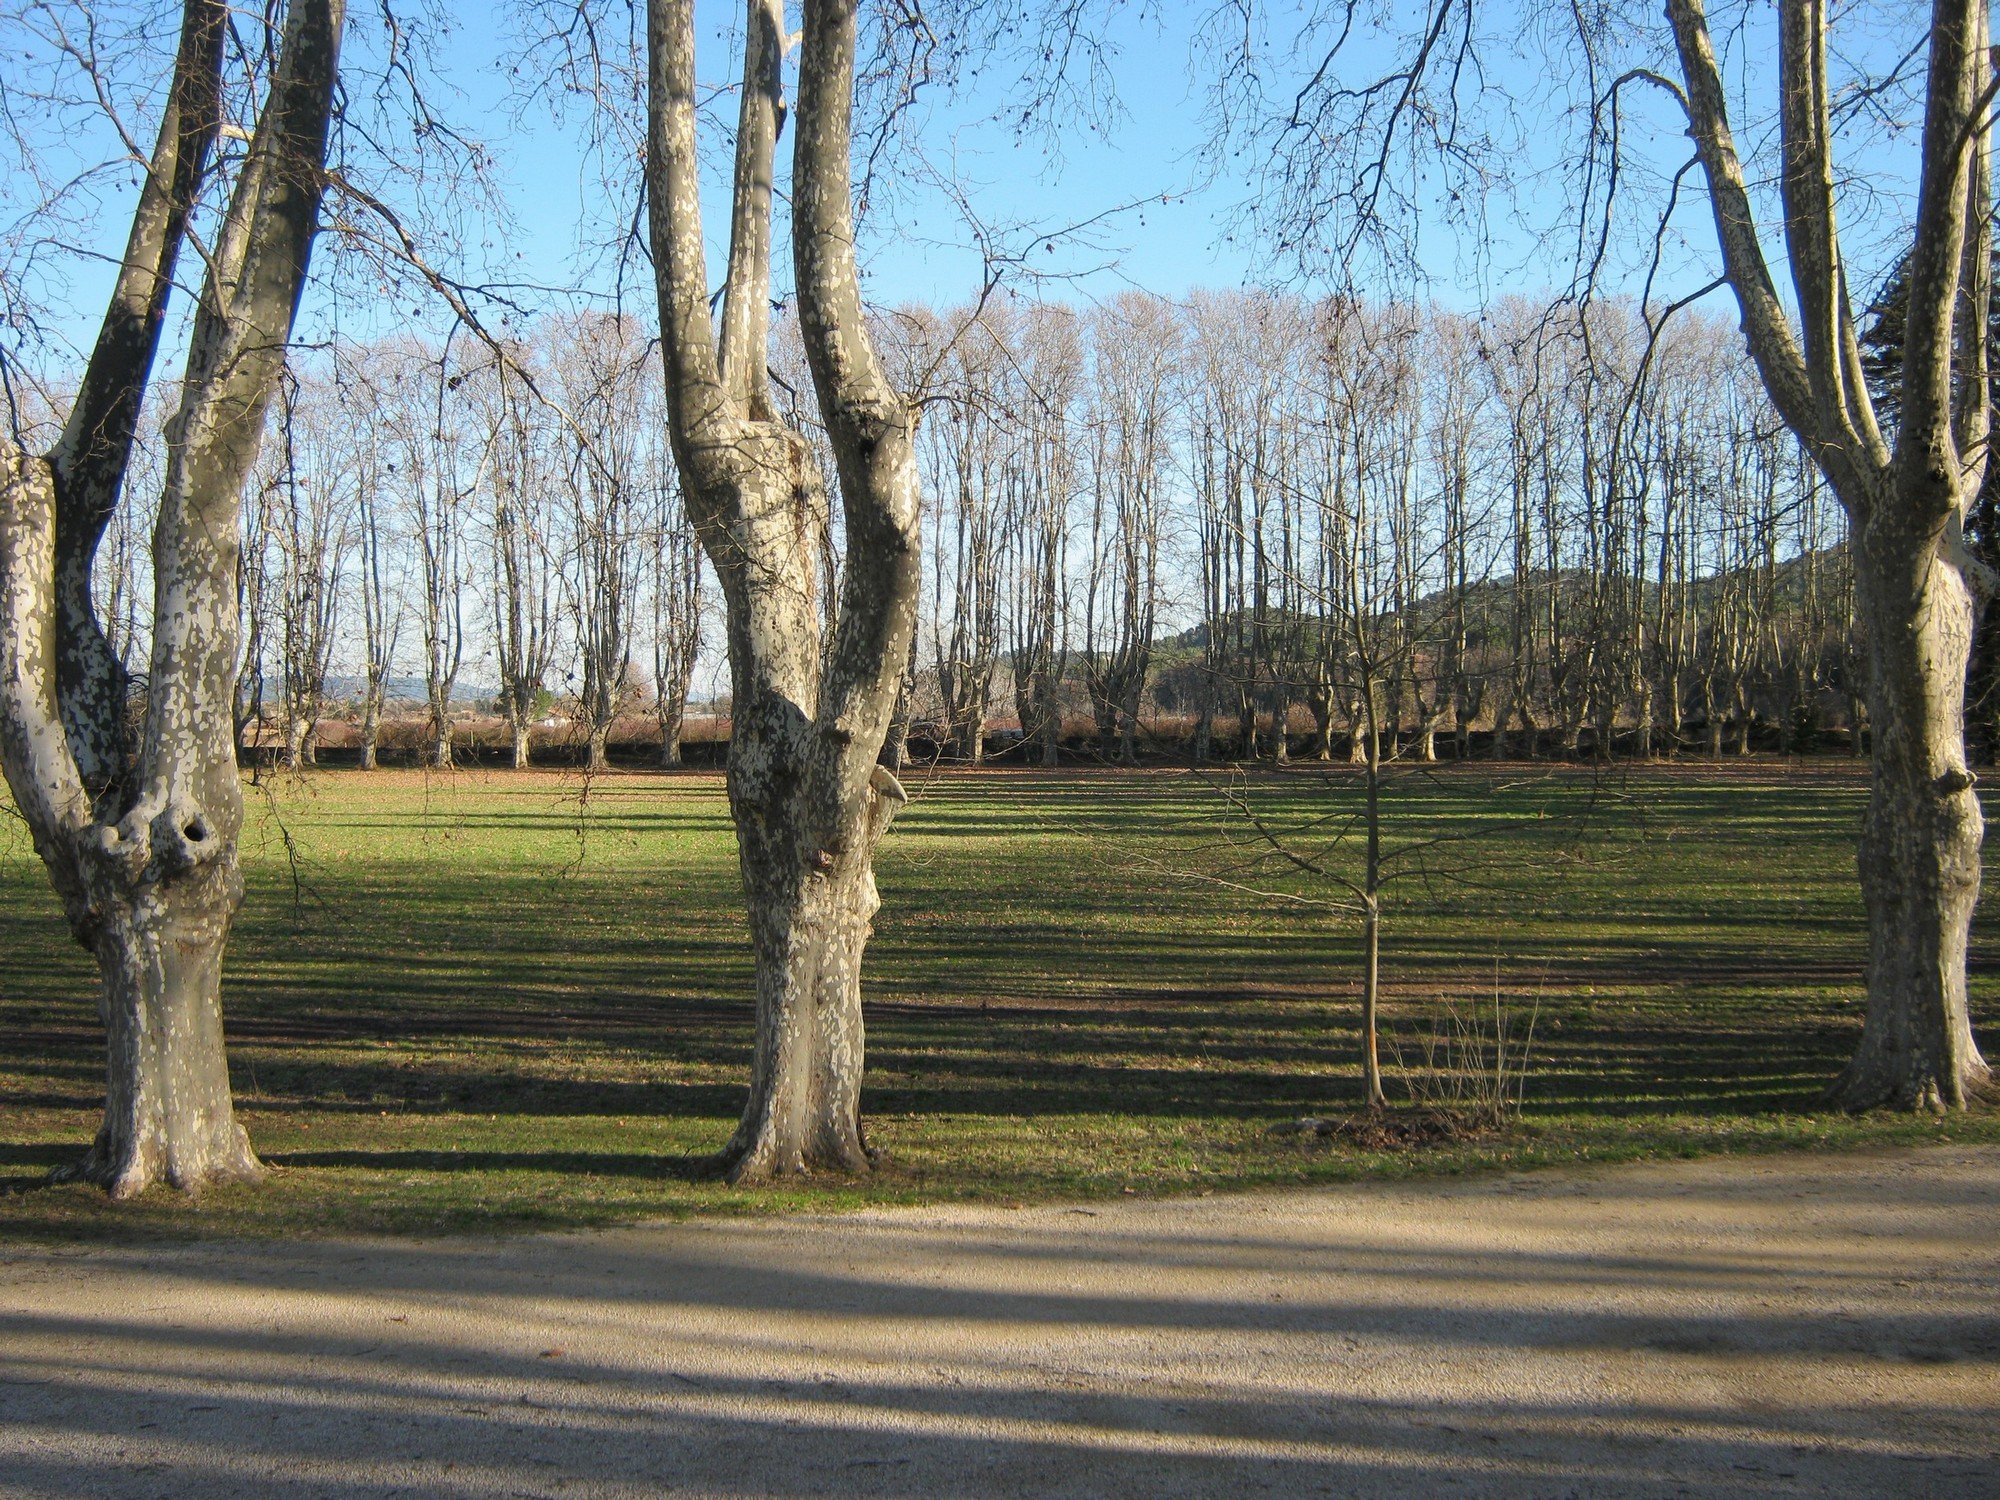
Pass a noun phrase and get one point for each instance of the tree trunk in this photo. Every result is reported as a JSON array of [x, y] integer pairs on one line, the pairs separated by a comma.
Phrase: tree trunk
[[371, 732], [148, 871], [809, 799], [599, 758], [896, 743], [524, 750], [811, 914], [1371, 928], [1920, 840], [168, 1115]]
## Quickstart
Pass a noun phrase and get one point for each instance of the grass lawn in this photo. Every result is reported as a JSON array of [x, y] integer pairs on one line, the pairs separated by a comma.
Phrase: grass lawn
[[478, 999]]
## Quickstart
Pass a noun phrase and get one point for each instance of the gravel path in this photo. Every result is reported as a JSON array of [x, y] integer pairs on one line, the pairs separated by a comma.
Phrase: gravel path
[[1801, 1325]]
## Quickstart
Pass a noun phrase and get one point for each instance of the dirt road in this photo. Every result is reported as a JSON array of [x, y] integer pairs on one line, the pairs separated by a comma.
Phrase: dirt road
[[1780, 1325]]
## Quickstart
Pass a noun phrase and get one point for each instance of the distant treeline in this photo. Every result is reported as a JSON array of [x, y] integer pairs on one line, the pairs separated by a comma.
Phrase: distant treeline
[[1240, 525]]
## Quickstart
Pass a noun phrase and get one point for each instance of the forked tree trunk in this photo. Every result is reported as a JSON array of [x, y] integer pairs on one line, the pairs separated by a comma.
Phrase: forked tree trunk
[[1914, 579], [140, 841], [811, 914], [809, 800]]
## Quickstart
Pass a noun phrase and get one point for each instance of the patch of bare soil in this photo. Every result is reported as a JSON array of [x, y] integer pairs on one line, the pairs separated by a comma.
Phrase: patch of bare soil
[[1393, 1129], [1786, 1326]]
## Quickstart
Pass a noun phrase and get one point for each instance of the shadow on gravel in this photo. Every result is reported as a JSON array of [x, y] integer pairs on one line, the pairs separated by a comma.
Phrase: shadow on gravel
[[1654, 1339]]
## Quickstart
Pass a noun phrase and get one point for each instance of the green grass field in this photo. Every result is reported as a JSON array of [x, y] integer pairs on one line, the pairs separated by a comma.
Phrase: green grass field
[[478, 999]]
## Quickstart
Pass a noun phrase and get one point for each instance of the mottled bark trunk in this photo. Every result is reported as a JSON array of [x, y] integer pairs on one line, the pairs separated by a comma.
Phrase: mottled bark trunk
[[168, 1112], [523, 757], [811, 912], [147, 865], [1920, 840], [598, 756], [809, 799]]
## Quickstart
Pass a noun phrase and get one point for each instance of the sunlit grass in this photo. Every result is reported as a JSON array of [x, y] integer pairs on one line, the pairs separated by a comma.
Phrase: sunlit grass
[[480, 998]]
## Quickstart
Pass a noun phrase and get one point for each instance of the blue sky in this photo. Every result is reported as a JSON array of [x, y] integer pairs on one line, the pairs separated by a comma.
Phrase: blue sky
[[1189, 234]]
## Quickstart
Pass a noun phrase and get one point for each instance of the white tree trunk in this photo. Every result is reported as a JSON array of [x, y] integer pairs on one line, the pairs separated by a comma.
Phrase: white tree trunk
[[168, 1111], [809, 801]]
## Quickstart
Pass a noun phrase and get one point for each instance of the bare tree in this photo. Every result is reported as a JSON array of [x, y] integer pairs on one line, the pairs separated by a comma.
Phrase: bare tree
[[438, 463], [1039, 504], [381, 605], [678, 605], [602, 374], [307, 512], [1919, 590], [1136, 340], [809, 799], [526, 579], [140, 838], [970, 463]]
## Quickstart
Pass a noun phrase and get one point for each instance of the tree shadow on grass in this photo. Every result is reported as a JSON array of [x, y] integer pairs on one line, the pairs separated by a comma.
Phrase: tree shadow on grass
[[648, 1166]]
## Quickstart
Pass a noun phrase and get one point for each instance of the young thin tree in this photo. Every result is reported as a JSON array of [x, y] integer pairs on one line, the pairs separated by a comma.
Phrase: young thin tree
[[809, 800], [139, 834]]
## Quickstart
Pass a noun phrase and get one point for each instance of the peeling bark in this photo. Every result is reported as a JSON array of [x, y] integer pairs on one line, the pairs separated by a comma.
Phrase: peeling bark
[[810, 802], [145, 860]]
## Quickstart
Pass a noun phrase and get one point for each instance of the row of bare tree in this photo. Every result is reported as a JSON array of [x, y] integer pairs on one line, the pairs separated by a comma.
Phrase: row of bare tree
[[1232, 516], [421, 506], [1549, 524]]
